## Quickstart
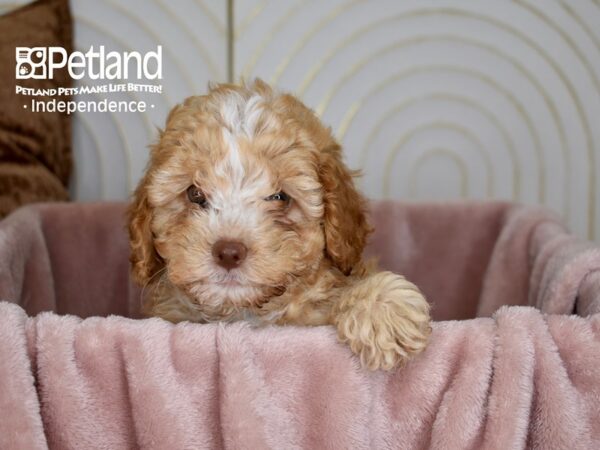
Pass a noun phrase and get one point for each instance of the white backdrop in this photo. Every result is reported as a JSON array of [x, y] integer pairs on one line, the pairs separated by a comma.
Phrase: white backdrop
[[432, 99]]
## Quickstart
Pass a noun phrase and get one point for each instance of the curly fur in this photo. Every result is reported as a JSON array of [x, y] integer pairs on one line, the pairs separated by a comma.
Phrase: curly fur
[[239, 145]]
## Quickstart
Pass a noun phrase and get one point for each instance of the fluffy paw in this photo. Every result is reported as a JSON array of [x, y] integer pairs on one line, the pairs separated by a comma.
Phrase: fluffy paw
[[384, 319]]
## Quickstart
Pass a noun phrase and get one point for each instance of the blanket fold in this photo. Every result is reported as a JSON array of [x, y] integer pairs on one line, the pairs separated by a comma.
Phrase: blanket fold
[[20, 422], [519, 379], [471, 258]]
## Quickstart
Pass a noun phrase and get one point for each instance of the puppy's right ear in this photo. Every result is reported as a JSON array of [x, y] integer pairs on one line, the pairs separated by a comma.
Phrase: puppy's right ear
[[145, 260]]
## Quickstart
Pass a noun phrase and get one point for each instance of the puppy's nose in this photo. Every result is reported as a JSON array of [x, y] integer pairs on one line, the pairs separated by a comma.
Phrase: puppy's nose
[[229, 254]]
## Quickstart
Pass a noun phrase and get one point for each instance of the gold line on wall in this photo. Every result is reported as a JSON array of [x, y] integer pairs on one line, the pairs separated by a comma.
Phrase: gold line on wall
[[510, 145], [311, 32], [574, 47], [467, 134], [211, 16], [520, 109], [260, 49], [566, 83], [101, 163], [204, 53], [432, 153], [591, 231], [150, 31], [84, 21], [246, 21], [123, 139], [571, 12], [421, 39], [230, 42], [312, 73], [119, 41], [315, 69]]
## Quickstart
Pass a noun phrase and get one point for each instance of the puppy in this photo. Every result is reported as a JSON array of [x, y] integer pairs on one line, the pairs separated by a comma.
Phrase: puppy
[[246, 211]]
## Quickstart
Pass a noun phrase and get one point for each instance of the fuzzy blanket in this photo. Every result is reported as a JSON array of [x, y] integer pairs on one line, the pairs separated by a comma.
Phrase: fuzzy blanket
[[519, 377]]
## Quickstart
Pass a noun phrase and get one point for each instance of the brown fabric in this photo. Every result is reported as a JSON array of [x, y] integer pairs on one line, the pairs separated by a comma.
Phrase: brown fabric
[[35, 148], [21, 184]]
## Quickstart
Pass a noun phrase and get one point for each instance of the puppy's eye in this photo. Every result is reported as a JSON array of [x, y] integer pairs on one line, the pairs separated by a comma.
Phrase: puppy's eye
[[279, 197], [195, 195]]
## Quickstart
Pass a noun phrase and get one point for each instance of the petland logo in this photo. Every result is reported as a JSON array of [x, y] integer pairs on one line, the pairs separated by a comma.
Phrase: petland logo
[[41, 62]]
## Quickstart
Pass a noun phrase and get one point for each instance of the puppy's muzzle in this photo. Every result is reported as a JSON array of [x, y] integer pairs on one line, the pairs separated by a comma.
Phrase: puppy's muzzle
[[229, 254]]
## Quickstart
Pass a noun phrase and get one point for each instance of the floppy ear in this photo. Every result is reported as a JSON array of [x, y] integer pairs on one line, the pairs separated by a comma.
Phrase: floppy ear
[[345, 223], [145, 261]]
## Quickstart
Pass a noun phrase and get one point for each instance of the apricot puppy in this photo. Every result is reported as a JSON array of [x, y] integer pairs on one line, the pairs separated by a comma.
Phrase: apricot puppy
[[247, 211]]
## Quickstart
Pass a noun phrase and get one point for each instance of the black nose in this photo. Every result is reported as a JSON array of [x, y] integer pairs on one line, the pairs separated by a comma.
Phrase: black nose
[[229, 254]]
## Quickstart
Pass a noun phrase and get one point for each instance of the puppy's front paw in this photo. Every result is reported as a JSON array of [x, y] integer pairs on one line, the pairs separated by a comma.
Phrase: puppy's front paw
[[385, 320]]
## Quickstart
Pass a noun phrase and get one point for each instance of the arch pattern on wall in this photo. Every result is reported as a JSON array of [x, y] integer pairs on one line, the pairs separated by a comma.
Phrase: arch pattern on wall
[[446, 99], [431, 99]]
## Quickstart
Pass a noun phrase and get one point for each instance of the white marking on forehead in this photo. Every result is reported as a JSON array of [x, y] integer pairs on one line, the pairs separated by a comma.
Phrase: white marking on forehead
[[252, 113], [234, 208], [233, 159], [241, 115]]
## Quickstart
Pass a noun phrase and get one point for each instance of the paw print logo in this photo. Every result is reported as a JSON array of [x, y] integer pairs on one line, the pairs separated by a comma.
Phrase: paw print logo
[[31, 62]]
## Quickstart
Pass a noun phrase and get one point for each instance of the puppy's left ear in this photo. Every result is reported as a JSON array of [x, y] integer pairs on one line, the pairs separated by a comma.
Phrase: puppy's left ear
[[145, 260], [345, 223]]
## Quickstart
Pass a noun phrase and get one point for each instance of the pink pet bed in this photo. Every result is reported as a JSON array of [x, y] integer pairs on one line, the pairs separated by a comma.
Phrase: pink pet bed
[[514, 358]]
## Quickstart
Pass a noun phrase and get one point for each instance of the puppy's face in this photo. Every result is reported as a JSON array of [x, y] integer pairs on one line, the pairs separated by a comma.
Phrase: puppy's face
[[235, 205], [237, 202]]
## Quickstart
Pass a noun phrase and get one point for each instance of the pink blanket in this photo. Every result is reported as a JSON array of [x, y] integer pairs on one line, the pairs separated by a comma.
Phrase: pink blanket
[[515, 378]]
